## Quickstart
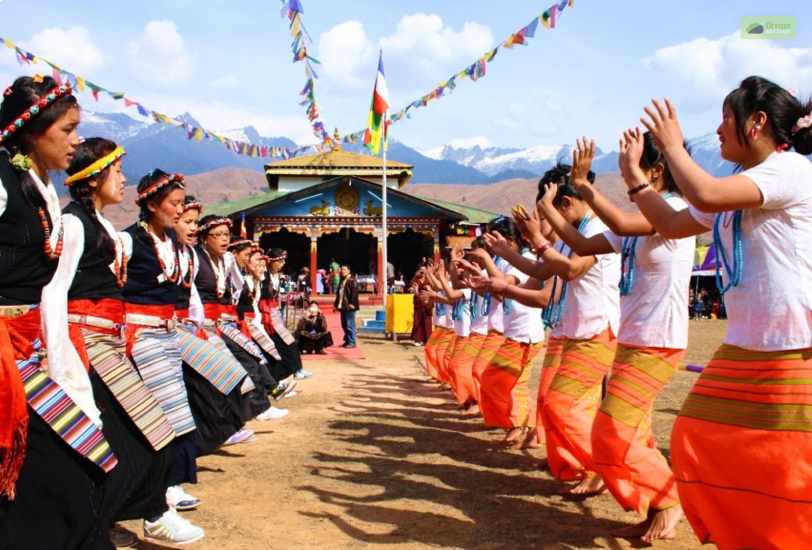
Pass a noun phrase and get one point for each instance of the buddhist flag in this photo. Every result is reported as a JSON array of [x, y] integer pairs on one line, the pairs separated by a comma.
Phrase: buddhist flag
[[378, 113]]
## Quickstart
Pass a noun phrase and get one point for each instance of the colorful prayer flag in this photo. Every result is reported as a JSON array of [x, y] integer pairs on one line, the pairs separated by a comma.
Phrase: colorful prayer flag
[[378, 112]]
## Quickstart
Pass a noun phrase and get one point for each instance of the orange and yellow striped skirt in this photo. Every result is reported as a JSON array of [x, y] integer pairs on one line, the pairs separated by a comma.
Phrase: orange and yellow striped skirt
[[572, 402], [493, 341], [505, 384], [623, 446], [461, 367], [741, 450], [438, 335], [552, 360]]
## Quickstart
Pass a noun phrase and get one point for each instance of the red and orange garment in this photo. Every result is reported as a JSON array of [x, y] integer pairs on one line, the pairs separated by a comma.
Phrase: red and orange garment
[[741, 450], [572, 402], [634, 470], [493, 341], [505, 384], [461, 366], [549, 368]]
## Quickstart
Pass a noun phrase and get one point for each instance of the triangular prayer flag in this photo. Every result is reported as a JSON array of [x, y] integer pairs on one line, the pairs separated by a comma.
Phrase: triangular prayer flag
[[57, 76], [80, 83], [141, 110], [8, 43], [530, 30]]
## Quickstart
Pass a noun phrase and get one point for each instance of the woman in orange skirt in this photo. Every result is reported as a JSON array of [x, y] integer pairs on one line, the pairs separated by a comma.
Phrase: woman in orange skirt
[[653, 336], [742, 444], [440, 336], [586, 313], [505, 381]]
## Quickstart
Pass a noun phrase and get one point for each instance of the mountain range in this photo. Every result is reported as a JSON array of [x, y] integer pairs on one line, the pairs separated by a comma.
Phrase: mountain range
[[151, 145]]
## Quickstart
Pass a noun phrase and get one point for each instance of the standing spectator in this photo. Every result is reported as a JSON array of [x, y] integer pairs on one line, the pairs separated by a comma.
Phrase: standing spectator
[[421, 327], [311, 332], [347, 303]]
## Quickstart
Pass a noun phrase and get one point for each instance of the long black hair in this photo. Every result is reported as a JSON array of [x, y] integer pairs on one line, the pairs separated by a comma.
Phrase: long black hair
[[783, 110], [159, 195], [560, 174], [22, 94], [651, 157], [88, 152], [508, 229]]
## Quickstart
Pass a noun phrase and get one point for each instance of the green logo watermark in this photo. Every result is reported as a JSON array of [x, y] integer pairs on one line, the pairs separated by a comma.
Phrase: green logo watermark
[[766, 27]]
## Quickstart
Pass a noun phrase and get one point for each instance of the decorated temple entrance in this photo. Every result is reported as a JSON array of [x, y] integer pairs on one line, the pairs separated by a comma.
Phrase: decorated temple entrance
[[341, 219]]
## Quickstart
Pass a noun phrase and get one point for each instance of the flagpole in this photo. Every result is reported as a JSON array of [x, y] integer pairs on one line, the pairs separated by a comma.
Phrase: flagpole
[[384, 214]]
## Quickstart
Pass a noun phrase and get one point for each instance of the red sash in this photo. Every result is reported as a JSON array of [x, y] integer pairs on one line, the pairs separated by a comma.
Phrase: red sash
[[16, 343]]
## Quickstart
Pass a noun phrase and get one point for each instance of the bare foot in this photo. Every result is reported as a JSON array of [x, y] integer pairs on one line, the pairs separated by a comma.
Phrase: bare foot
[[591, 485], [664, 524], [513, 436], [532, 440], [633, 531], [472, 409]]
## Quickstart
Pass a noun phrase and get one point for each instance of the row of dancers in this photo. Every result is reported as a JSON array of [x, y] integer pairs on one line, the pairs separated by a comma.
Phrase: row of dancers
[[124, 355], [603, 293]]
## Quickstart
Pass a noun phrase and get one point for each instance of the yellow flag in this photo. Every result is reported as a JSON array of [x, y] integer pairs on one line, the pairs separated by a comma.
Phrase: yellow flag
[[80, 83], [9, 44]]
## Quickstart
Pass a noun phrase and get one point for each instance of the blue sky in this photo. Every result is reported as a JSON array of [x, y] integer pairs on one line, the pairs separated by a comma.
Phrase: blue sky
[[229, 63]]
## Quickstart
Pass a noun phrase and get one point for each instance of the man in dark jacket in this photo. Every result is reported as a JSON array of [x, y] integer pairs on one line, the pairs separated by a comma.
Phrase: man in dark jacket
[[347, 303]]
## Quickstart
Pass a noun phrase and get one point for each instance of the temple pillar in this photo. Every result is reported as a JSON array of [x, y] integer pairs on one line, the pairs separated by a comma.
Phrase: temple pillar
[[314, 255]]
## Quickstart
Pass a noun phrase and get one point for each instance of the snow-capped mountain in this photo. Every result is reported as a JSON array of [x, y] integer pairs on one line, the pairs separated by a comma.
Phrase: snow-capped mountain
[[535, 160], [530, 161]]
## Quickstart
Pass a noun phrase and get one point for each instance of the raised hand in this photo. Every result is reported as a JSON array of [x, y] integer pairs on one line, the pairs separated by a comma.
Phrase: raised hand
[[582, 157], [631, 150], [663, 124], [496, 242]]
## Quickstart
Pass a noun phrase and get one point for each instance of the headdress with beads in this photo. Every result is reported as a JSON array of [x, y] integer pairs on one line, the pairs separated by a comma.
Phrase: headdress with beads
[[34, 110]]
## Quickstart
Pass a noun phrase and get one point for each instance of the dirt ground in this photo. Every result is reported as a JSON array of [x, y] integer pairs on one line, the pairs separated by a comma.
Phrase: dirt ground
[[374, 456]]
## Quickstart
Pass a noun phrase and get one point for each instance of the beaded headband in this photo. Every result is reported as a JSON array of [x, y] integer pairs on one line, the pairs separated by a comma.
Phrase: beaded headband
[[214, 223], [194, 205], [158, 185], [96, 167], [242, 243], [40, 105], [280, 257]]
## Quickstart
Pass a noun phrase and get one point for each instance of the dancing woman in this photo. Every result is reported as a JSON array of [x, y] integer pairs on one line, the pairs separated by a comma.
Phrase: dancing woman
[[215, 380], [585, 313], [151, 294], [653, 335], [53, 454], [741, 447]]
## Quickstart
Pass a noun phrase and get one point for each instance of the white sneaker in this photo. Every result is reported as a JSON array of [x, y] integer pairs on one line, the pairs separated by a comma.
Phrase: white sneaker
[[179, 499], [272, 414], [242, 436], [173, 529]]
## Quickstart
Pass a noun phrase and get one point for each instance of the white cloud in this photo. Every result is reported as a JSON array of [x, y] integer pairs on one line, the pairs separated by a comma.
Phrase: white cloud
[[707, 69], [421, 51], [159, 55], [71, 49], [227, 81], [427, 41], [344, 51]]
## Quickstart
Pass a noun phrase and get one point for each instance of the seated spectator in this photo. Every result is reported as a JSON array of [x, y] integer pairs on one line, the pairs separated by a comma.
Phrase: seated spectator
[[311, 332]]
